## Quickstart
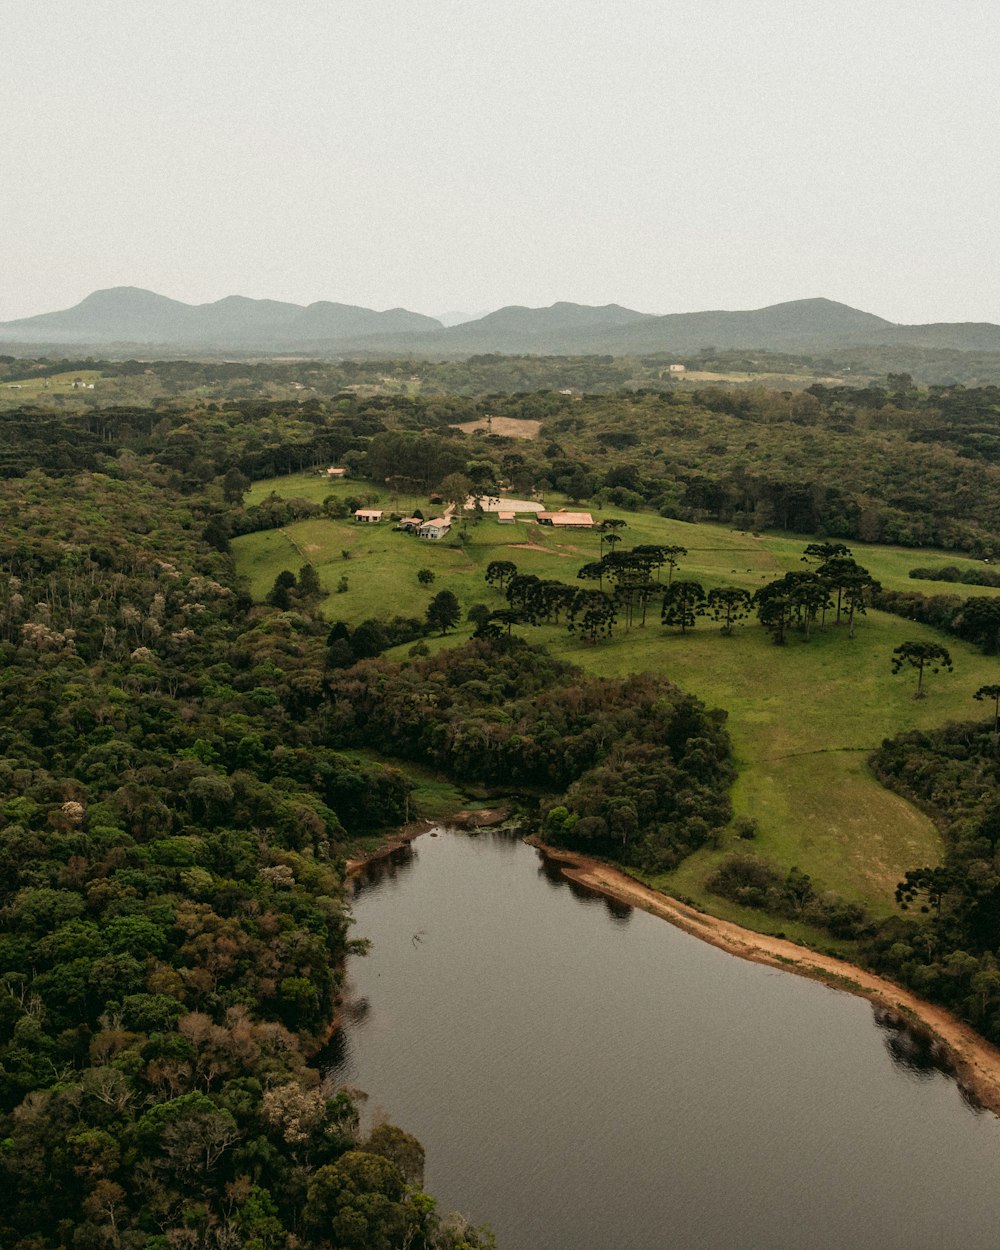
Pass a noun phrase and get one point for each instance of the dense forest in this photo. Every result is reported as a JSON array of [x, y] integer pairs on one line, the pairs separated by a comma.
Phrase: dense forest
[[172, 916], [631, 768]]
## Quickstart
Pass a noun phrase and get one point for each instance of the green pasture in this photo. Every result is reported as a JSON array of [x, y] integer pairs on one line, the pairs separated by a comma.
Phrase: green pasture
[[314, 486], [803, 717], [21, 390]]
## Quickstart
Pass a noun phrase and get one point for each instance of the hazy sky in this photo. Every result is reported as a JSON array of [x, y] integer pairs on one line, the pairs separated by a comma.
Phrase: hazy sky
[[669, 155]]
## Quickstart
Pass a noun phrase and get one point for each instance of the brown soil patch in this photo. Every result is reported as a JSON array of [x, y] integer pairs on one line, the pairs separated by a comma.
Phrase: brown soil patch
[[565, 555], [976, 1062], [403, 835], [479, 817], [508, 427]]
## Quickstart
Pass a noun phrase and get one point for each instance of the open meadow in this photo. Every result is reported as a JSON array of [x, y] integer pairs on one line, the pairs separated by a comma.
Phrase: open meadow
[[803, 717]]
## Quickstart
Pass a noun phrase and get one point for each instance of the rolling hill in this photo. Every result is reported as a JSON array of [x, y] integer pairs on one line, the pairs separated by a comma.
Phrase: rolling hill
[[129, 317]]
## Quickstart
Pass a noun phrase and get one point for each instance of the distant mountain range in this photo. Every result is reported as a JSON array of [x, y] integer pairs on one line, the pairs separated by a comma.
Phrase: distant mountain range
[[124, 318]]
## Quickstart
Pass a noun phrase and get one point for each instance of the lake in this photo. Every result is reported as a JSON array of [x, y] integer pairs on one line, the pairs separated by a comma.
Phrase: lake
[[584, 1076]]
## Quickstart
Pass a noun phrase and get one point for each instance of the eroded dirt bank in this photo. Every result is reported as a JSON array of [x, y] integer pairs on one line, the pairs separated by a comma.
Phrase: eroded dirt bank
[[976, 1063]]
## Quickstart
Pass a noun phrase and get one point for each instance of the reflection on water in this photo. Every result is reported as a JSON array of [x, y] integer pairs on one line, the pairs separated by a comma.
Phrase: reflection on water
[[586, 1077], [386, 867], [918, 1054], [914, 1052]]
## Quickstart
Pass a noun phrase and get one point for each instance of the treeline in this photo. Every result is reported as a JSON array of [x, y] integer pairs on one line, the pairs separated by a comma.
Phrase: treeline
[[976, 575], [952, 954], [626, 767], [975, 620], [753, 882]]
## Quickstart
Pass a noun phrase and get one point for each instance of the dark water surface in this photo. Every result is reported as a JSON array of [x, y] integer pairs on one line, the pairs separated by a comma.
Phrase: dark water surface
[[587, 1077]]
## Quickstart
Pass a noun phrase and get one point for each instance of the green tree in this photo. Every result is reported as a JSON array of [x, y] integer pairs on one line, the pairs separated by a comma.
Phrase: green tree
[[309, 585], [425, 577], [824, 552], [592, 613], [478, 614], [991, 692], [358, 1203], [279, 595], [455, 489], [849, 579], [234, 486], [500, 571], [683, 602], [728, 604], [444, 611], [609, 528], [774, 609], [921, 656]]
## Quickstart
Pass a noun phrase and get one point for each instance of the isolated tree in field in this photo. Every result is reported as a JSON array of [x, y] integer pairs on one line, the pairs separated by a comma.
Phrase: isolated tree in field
[[728, 604], [425, 577], [921, 656], [682, 603], [991, 692], [444, 611], [500, 571]]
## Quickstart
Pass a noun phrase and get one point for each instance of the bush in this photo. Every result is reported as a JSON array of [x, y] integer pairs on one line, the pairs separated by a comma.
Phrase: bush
[[745, 827]]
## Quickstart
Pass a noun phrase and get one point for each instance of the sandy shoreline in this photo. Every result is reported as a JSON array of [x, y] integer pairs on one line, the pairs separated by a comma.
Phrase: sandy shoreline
[[976, 1063]]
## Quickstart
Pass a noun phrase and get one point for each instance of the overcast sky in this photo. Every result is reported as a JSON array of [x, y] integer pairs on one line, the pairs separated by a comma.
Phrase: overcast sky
[[669, 155]]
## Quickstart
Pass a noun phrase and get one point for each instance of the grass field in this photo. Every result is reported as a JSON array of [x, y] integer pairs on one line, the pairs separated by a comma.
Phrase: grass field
[[803, 717], [25, 390]]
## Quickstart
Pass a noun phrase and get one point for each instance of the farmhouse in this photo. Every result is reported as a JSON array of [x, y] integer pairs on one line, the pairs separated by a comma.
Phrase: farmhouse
[[410, 523], [506, 518], [436, 528], [335, 471], [566, 520], [368, 516]]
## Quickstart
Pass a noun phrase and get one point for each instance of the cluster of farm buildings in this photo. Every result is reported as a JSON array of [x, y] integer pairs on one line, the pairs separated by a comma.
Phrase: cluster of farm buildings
[[506, 512]]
